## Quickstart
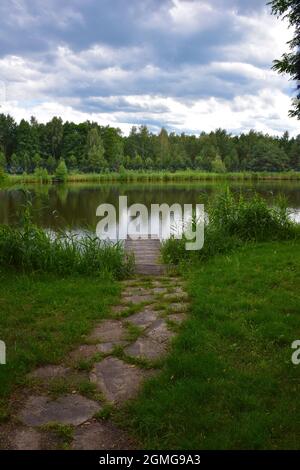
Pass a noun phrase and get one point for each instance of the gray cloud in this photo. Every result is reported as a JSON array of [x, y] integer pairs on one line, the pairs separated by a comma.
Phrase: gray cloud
[[97, 56]]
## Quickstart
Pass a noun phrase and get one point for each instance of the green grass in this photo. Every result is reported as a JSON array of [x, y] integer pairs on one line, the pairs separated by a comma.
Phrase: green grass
[[233, 220], [45, 316], [30, 248], [156, 176], [229, 382]]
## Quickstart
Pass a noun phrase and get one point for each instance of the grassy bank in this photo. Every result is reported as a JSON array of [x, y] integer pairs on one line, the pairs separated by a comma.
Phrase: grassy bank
[[163, 176], [29, 248], [43, 316], [229, 382]]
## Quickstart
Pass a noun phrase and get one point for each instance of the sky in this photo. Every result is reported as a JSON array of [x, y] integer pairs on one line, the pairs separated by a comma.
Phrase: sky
[[186, 65]]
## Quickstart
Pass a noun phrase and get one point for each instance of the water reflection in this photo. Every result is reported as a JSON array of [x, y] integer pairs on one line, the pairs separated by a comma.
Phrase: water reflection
[[74, 206]]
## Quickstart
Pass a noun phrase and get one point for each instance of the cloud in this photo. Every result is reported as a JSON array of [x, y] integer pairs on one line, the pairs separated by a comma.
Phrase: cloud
[[188, 65]]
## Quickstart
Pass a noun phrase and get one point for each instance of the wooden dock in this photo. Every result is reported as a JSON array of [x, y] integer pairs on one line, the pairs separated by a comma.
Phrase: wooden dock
[[146, 252]]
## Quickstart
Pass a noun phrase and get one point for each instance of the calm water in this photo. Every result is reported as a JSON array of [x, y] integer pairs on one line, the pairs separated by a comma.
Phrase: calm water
[[74, 206]]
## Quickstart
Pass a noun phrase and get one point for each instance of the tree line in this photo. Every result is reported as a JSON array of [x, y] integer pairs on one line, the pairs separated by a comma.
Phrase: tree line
[[89, 147]]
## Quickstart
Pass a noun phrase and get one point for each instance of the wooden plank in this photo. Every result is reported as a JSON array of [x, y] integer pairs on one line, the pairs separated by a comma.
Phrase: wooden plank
[[147, 255]]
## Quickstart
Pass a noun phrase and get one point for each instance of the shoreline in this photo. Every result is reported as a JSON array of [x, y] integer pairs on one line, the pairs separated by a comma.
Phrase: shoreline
[[183, 176]]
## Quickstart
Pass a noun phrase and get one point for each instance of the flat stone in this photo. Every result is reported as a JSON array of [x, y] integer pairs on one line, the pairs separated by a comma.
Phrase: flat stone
[[87, 351], [177, 318], [50, 372], [146, 348], [176, 297], [159, 290], [129, 291], [117, 380], [119, 309], [179, 290], [108, 331], [160, 332], [144, 318], [100, 436], [177, 307], [137, 299], [69, 409], [26, 439]]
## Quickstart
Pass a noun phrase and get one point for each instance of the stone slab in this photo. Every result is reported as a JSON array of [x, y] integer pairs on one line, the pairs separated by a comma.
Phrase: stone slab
[[144, 318], [108, 331], [69, 409], [100, 436], [117, 380], [146, 348], [160, 332]]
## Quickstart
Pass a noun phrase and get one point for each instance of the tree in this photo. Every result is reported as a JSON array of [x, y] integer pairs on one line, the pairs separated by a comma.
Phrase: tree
[[113, 146], [290, 62], [2, 166], [2, 160], [267, 156], [8, 138], [72, 162], [137, 162], [218, 165], [53, 136], [232, 160], [37, 160], [95, 151], [51, 164], [15, 166], [61, 172], [163, 148], [295, 155]]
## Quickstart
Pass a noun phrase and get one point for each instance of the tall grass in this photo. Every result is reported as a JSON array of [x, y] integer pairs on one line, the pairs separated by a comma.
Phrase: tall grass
[[30, 248], [159, 176], [234, 221]]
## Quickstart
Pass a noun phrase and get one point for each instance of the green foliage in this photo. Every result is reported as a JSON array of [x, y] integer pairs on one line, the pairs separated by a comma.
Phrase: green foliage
[[88, 147], [218, 166], [290, 62], [229, 374], [41, 175], [232, 222], [46, 316], [61, 172], [2, 160], [30, 248], [95, 151], [3, 176]]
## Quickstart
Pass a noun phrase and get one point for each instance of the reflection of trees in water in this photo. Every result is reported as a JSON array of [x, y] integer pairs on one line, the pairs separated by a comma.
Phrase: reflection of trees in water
[[75, 205]]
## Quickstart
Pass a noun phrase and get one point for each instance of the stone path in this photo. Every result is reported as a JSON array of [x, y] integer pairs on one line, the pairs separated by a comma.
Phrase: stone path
[[70, 405]]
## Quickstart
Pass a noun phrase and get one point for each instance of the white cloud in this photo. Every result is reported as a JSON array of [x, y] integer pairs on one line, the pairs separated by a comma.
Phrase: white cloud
[[166, 78], [265, 112]]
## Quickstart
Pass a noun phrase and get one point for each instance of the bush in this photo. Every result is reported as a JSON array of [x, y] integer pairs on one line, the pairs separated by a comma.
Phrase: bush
[[232, 222], [2, 175], [42, 175], [61, 172], [30, 248], [250, 219]]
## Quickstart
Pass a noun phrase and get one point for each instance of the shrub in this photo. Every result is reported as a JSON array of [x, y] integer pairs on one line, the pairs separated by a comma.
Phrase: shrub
[[2, 175], [42, 175], [231, 222], [31, 248], [61, 172]]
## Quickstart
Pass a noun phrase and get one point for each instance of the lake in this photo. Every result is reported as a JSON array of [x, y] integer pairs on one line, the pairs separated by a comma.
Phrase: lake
[[73, 206]]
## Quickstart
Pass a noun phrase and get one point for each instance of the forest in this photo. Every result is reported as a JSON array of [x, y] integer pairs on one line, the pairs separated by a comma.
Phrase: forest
[[88, 147]]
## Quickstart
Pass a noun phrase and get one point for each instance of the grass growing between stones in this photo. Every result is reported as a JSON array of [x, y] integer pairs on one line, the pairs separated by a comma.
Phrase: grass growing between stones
[[43, 317], [229, 382]]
